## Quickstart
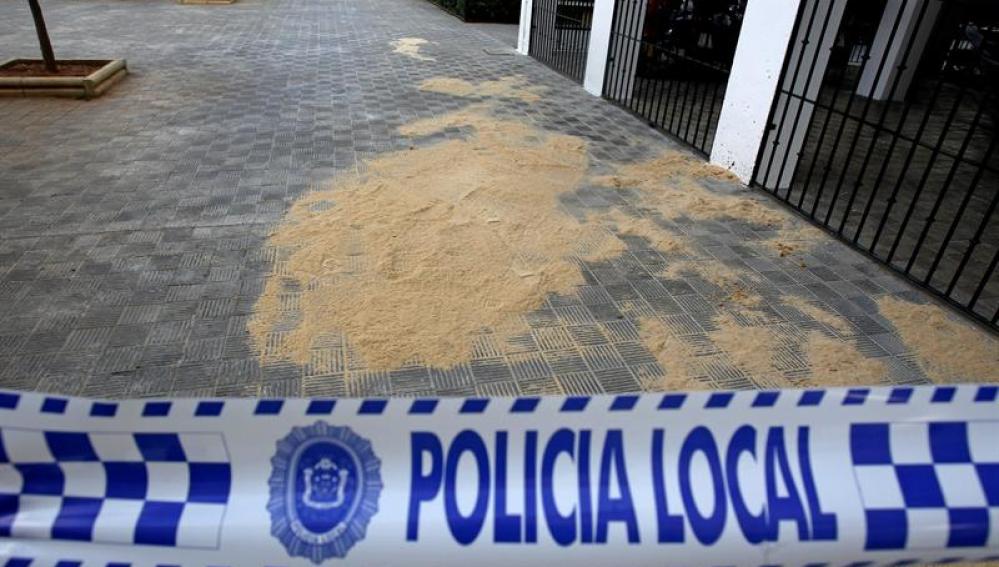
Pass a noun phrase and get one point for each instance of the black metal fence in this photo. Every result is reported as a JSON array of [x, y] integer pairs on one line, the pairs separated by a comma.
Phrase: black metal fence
[[560, 35], [669, 63], [883, 131]]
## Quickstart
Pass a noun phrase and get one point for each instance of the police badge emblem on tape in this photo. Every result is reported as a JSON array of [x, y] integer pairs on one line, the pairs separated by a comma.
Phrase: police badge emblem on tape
[[324, 488]]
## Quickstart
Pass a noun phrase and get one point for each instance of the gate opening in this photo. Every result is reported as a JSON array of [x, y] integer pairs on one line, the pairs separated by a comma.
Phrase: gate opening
[[560, 35], [669, 63], [883, 131]]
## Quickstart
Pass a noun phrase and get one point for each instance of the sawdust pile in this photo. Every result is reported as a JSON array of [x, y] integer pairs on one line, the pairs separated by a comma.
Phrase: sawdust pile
[[837, 363], [794, 239], [750, 349], [659, 238], [754, 350], [432, 246], [670, 184], [506, 87], [831, 362], [733, 286], [677, 359], [946, 349], [410, 262], [410, 47]]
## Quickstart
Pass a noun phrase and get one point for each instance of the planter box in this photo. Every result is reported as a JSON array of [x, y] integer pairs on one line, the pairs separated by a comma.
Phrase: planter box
[[493, 11], [91, 86]]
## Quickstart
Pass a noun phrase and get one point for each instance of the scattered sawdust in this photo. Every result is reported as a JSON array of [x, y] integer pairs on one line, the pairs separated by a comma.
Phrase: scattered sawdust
[[709, 270], [752, 349], [795, 238], [430, 247], [725, 278], [831, 362], [675, 357], [659, 238], [947, 350], [748, 348], [668, 165], [435, 245], [837, 363], [669, 183], [410, 47], [800, 234], [515, 86]]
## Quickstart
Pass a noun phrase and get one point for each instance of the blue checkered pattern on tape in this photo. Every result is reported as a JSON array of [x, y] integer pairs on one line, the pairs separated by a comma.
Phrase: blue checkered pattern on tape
[[914, 477], [130, 488]]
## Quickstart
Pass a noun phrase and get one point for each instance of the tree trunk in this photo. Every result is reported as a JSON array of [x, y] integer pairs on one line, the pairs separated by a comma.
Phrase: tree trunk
[[43, 37]]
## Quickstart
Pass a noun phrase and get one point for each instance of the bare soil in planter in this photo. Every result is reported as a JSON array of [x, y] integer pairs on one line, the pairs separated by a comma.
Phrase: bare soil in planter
[[35, 68]]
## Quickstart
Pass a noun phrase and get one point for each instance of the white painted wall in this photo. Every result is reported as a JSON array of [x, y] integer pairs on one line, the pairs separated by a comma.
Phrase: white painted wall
[[780, 160], [524, 31], [767, 27], [916, 20], [600, 36], [752, 84]]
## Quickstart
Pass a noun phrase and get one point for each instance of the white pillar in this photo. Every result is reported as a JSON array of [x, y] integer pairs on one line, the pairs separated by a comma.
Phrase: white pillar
[[781, 159], [596, 56], [524, 31], [915, 23], [767, 29]]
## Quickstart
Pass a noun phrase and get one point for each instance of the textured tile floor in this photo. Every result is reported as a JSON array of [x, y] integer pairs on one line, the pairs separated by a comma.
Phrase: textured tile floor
[[132, 227]]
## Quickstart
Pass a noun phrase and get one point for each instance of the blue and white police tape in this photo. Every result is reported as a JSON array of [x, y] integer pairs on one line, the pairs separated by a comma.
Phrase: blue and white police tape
[[812, 477]]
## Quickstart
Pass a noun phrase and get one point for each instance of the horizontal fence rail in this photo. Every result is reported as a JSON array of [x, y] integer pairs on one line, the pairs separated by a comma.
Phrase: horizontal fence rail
[[883, 131], [560, 35], [669, 63]]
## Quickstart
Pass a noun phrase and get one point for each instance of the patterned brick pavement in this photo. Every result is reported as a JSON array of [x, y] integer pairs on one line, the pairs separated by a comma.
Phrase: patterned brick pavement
[[132, 226]]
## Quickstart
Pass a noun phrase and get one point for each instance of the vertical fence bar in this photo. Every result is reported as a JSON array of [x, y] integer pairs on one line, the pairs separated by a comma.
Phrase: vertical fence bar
[[612, 46], [901, 67], [655, 117], [960, 214], [851, 146], [762, 56], [911, 34], [972, 244], [981, 287], [944, 188], [560, 35], [927, 171], [660, 75], [632, 54], [614, 53], [803, 41]]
